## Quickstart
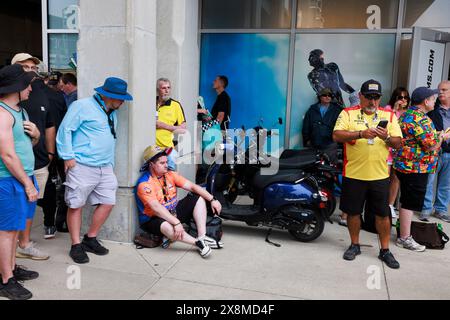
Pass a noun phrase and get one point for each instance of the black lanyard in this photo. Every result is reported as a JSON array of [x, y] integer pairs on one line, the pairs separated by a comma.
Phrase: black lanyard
[[108, 115]]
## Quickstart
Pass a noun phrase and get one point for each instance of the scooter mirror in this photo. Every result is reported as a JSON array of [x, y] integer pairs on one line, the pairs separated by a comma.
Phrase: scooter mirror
[[280, 120]]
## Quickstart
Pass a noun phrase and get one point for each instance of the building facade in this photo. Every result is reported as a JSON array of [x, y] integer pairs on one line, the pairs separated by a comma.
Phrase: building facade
[[261, 45]]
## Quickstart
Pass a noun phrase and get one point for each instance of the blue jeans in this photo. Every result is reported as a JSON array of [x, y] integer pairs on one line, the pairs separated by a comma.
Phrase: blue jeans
[[443, 188]]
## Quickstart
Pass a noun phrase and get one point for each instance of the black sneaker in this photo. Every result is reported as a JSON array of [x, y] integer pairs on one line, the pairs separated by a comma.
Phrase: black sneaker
[[92, 245], [388, 258], [78, 254], [49, 232], [352, 252], [14, 290], [21, 273]]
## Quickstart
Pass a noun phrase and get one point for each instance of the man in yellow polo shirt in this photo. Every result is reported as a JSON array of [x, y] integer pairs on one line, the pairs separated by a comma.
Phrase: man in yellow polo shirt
[[170, 119], [367, 131]]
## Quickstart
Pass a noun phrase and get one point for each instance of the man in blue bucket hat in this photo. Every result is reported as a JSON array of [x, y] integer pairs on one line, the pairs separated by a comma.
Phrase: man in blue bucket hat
[[86, 142]]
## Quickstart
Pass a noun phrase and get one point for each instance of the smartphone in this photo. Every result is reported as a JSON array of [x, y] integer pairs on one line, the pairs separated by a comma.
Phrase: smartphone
[[383, 124]]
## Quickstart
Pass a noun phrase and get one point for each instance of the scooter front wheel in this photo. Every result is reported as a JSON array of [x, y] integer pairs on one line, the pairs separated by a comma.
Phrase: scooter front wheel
[[309, 231]]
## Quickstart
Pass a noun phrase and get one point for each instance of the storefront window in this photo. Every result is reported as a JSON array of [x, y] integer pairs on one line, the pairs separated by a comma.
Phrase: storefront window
[[248, 14], [350, 59], [427, 13], [63, 14], [62, 51], [404, 59], [257, 69], [354, 14]]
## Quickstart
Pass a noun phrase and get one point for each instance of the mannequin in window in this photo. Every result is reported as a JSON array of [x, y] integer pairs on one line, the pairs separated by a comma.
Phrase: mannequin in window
[[328, 76]]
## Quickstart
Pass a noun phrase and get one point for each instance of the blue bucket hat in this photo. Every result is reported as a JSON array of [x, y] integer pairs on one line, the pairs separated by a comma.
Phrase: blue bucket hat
[[114, 88]]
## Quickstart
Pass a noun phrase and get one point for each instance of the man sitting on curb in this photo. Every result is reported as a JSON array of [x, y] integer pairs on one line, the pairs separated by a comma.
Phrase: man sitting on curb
[[163, 214]]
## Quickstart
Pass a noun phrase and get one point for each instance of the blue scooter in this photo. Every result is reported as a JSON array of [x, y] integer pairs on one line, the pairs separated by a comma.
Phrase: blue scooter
[[289, 200]]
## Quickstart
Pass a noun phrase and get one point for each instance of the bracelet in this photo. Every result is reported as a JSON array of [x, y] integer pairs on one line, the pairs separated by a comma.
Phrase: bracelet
[[359, 133], [51, 153], [213, 199], [177, 224]]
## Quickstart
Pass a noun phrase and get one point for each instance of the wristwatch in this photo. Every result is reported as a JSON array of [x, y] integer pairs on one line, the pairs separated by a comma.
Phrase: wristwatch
[[388, 138]]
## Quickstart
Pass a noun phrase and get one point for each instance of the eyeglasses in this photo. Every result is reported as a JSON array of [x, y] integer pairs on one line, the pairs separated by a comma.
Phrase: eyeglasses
[[402, 97], [372, 96]]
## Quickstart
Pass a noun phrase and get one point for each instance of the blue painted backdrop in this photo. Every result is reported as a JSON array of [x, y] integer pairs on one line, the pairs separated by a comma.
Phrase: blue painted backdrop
[[257, 68]]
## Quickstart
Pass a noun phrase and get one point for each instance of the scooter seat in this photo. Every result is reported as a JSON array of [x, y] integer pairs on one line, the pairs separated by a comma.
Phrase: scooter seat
[[261, 181], [302, 153], [298, 162]]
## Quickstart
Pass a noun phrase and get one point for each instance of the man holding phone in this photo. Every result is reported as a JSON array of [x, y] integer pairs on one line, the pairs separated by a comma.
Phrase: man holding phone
[[367, 131]]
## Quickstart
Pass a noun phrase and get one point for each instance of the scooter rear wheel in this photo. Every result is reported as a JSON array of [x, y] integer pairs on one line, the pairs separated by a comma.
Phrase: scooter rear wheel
[[309, 231]]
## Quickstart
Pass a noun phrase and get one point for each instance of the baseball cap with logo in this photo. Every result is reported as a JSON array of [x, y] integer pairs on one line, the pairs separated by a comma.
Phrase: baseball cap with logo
[[23, 57], [152, 151], [371, 87]]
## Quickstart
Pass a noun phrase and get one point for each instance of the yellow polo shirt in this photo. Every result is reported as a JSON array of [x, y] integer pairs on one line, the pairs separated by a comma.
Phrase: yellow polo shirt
[[362, 160], [170, 113]]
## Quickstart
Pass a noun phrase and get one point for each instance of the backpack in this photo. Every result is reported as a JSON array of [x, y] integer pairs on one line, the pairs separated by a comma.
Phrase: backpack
[[368, 220], [147, 240], [429, 235], [213, 227]]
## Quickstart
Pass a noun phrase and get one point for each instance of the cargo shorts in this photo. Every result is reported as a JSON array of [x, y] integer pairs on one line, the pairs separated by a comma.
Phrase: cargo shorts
[[92, 185]]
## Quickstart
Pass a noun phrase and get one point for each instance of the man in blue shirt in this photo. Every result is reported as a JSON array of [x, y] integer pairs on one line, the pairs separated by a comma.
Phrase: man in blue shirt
[[86, 142]]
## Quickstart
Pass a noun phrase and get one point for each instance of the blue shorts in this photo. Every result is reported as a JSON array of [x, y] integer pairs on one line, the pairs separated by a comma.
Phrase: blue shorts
[[15, 208]]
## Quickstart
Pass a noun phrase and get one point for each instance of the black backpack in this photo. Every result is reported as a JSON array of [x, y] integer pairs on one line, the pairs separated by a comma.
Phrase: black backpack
[[213, 227]]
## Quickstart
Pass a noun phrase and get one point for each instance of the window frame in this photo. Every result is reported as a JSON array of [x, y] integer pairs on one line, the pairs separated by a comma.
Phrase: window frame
[[46, 32], [293, 31]]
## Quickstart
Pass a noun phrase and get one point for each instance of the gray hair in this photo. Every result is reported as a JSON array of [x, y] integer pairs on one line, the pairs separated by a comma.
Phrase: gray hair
[[165, 80]]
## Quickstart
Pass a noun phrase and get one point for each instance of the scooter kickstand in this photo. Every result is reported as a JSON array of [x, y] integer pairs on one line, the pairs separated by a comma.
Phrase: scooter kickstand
[[267, 239]]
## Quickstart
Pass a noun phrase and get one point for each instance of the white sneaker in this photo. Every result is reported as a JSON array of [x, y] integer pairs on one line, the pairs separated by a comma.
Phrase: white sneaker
[[31, 252], [212, 243], [393, 213], [410, 244], [203, 248]]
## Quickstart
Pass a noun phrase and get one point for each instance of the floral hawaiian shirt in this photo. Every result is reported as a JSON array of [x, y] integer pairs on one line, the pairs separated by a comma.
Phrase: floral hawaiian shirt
[[419, 136]]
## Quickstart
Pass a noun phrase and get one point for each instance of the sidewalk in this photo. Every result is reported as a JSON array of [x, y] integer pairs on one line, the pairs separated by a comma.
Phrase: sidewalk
[[247, 268]]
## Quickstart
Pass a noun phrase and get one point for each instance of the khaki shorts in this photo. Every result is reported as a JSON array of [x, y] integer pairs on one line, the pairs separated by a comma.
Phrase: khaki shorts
[[41, 177], [92, 185]]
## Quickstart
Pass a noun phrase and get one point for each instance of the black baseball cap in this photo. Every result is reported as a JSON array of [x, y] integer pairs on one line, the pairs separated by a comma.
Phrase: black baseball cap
[[421, 93], [371, 87]]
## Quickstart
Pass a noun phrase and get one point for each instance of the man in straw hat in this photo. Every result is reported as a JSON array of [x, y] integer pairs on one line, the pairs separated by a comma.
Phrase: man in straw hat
[[18, 187], [161, 213], [86, 142]]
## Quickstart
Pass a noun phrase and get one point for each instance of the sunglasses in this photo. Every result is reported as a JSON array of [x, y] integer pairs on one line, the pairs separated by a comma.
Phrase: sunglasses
[[402, 97], [327, 95], [372, 96]]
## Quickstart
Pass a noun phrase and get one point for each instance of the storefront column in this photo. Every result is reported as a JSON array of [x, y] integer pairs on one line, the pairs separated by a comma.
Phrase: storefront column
[[118, 38], [178, 60]]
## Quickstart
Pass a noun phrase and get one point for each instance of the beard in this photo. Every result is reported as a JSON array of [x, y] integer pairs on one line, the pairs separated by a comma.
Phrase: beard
[[165, 97], [370, 109]]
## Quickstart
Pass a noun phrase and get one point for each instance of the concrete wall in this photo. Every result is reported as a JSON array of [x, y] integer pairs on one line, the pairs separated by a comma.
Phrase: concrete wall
[[178, 60], [139, 41]]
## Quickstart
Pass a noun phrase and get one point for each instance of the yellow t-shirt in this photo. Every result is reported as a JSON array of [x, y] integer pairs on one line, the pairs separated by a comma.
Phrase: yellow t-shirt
[[362, 160], [170, 113]]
